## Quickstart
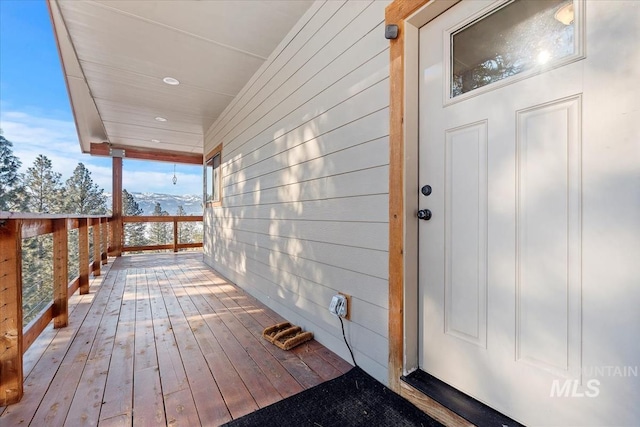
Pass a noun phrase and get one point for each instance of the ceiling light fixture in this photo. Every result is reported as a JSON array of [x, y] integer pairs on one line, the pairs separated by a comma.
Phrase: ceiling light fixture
[[171, 81], [161, 119], [565, 14]]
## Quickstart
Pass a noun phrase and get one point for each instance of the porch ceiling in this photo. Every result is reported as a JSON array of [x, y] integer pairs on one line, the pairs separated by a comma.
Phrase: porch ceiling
[[115, 55]]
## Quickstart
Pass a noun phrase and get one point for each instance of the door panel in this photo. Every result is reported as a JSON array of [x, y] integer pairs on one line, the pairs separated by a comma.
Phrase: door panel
[[532, 247], [466, 232], [548, 240]]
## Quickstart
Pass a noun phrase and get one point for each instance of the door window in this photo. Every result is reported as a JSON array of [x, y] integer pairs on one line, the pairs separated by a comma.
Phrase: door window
[[519, 37]]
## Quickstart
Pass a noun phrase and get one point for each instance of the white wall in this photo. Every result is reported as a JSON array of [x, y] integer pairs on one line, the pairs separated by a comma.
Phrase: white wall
[[305, 179]]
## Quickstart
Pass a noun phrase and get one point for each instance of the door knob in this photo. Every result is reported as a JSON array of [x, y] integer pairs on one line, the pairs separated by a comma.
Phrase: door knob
[[424, 214], [426, 190]]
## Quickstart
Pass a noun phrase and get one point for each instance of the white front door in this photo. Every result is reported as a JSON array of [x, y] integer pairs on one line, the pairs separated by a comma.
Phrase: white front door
[[529, 264]]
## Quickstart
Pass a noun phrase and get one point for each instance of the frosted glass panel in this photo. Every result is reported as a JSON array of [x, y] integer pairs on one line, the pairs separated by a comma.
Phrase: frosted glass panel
[[519, 36]]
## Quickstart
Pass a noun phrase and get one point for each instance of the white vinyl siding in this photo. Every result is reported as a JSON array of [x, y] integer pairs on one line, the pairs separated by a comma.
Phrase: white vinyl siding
[[305, 179]]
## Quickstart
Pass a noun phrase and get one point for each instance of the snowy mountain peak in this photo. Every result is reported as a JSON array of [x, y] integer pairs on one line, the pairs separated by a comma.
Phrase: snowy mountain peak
[[191, 203]]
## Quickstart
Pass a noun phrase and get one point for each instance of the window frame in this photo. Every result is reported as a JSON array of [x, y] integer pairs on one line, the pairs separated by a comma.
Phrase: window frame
[[209, 172], [579, 40]]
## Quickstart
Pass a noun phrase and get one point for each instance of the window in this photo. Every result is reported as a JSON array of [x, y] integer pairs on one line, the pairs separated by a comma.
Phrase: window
[[213, 177], [519, 37]]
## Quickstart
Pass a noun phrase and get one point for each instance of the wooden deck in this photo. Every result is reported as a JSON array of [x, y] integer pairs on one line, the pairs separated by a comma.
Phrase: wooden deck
[[162, 340]]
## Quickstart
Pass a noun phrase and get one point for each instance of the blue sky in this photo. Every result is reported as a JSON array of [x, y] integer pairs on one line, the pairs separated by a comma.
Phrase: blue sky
[[35, 114]]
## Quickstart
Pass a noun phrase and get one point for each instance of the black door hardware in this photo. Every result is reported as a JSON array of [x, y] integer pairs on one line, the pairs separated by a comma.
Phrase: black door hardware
[[424, 214]]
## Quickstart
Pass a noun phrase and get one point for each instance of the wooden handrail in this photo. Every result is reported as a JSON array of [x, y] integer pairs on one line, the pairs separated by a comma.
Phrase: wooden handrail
[[14, 227], [162, 218], [14, 339], [175, 219]]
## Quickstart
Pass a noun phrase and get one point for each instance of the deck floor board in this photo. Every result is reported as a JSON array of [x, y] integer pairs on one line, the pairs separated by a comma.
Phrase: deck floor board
[[162, 339]]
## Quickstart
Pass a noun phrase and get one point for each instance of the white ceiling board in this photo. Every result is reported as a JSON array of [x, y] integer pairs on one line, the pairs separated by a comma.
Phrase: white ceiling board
[[126, 131], [118, 76], [114, 111], [148, 122], [105, 37], [121, 50], [150, 145], [88, 123], [161, 103], [251, 26]]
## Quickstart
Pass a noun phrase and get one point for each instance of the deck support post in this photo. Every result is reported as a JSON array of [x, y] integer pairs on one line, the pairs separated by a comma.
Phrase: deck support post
[[11, 373], [175, 235], [60, 274], [117, 227], [104, 240], [95, 265], [83, 256]]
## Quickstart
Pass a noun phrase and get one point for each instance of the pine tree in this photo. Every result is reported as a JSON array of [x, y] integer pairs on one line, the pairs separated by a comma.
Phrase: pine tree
[[43, 187], [185, 229], [11, 192], [134, 233], [160, 230], [45, 195], [83, 196]]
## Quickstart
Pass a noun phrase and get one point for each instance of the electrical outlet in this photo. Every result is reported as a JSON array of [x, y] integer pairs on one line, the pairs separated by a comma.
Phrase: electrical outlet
[[339, 305]]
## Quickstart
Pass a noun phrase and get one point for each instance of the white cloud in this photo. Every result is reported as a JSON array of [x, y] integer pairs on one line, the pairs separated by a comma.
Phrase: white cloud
[[57, 139], [160, 182]]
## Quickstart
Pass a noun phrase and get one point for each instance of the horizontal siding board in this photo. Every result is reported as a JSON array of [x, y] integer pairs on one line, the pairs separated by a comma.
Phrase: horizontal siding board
[[362, 156], [349, 184], [299, 109], [362, 208], [287, 150], [330, 339], [305, 180], [368, 288], [368, 235], [311, 310], [272, 92], [309, 24], [365, 261]]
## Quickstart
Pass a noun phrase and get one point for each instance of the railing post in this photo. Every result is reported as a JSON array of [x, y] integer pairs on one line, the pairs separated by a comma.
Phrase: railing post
[[175, 234], [60, 273], [11, 374], [116, 197], [95, 266], [83, 256], [104, 254]]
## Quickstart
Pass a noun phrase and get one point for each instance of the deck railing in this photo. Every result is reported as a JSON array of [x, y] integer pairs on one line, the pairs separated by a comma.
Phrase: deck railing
[[15, 338], [176, 220]]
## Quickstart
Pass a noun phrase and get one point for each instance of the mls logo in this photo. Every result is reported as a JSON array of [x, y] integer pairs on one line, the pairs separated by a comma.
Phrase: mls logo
[[570, 388]]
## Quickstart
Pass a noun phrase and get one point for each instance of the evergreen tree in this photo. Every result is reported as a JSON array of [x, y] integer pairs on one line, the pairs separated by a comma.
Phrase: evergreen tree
[[186, 230], [83, 196], [134, 233], [160, 230], [45, 195], [43, 187], [11, 192]]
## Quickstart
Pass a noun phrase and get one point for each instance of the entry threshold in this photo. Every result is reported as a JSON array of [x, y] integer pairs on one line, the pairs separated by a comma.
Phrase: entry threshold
[[456, 401]]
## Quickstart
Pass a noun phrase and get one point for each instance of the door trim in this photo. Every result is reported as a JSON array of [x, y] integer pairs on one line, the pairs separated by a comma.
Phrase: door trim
[[409, 16]]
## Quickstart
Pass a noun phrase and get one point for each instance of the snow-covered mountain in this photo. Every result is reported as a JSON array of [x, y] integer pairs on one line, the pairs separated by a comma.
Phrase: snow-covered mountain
[[191, 203]]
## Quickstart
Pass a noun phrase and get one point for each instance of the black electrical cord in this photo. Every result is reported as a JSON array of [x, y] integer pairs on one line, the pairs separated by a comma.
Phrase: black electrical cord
[[346, 342]]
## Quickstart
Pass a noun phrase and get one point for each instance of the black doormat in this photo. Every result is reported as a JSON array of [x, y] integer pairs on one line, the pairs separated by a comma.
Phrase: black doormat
[[353, 399]]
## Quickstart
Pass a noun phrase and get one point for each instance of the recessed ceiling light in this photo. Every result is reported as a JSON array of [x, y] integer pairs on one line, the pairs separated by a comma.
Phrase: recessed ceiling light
[[155, 140], [565, 14], [171, 81], [161, 119]]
